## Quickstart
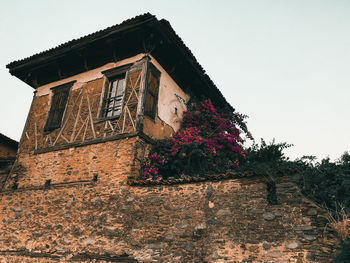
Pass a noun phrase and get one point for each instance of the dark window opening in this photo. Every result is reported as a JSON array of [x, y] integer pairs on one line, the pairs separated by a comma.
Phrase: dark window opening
[[58, 105], [151, 99]]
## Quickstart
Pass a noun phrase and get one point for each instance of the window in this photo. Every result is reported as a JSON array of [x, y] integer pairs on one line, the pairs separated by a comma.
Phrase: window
[[152, 92], [59, 101], [113, 98], [114, 92]]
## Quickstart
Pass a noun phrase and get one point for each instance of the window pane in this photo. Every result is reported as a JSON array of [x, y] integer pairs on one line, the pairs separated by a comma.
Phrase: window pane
[[118, 102], [109, 112], [120, 87], [110, 100], [113, 87], [114, 97]]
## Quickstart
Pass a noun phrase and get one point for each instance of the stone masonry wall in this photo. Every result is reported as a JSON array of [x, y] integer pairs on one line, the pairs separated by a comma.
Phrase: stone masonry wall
[[110, 162], [224, 221]]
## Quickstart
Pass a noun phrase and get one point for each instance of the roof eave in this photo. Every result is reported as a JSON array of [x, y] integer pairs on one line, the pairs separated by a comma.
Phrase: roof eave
[[36, 66]]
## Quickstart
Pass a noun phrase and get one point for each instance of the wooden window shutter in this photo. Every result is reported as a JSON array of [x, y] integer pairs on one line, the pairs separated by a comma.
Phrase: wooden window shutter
[[58, 105], [152, 90]]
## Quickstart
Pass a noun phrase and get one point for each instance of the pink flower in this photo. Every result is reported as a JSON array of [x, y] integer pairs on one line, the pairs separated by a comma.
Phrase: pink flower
[[214, 133]]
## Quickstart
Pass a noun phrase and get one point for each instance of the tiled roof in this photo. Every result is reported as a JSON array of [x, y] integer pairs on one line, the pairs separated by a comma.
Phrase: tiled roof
[[92, 36], [19, 66]]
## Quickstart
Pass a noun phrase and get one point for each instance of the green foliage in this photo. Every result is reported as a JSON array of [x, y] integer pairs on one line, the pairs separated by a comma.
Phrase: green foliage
[[272, 152], [267, 159], [328, 183], [344, 159], [306, 160]]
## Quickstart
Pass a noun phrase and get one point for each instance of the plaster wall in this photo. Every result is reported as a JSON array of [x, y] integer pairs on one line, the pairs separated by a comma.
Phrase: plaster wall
[[171, 105], [171, 96], [87, 76]]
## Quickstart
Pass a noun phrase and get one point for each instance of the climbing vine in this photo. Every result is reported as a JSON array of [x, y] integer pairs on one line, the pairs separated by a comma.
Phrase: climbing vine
[[209, 141]]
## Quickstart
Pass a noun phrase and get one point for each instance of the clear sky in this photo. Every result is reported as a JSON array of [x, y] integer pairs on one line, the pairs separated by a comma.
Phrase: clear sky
[[286, 64]]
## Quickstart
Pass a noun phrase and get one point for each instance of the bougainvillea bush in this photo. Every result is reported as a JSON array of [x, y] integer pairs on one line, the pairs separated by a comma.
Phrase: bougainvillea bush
[[209, 141]]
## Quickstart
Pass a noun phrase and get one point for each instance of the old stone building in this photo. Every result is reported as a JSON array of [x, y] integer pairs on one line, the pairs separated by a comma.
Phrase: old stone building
[[99, 102], [116, 88]]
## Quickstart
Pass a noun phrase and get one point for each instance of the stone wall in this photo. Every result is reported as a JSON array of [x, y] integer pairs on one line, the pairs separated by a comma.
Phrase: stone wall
[[109, 162], [223, 221]]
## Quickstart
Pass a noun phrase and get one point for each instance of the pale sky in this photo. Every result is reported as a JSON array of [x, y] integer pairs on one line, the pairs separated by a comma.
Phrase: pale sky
[[286, 64]]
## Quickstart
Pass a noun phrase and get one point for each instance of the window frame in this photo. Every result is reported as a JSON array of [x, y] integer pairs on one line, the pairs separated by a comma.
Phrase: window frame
[[156, 73], [54, 108], [110, 76]]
